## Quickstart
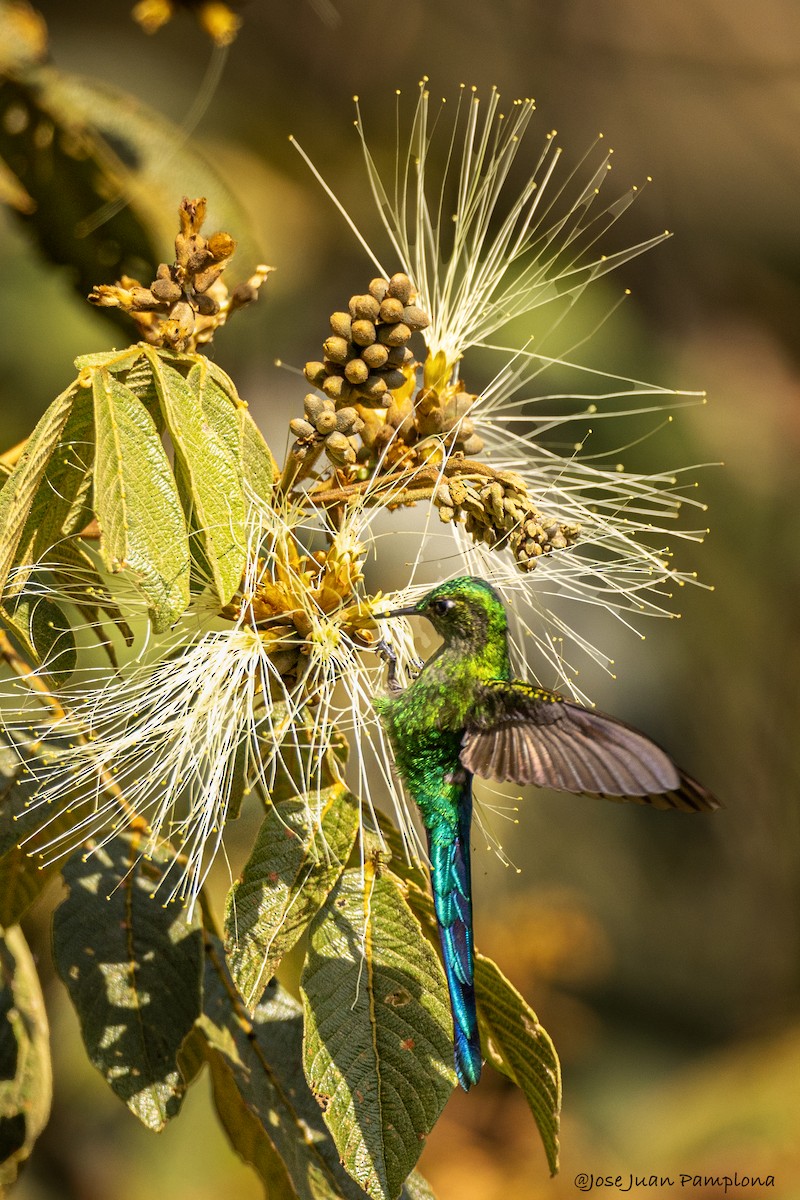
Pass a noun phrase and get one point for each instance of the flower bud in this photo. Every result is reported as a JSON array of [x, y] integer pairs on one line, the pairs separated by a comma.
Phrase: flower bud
[[301, 428], [401, 288], [315, 372], [415, 318], [391, 310], [365, 308], [356, 371], [337, 349], [394, 379], [363, 332], [378, 288], [313, 406], [326, 421], [394, 335], [340, 325], [375, 356], [336, 387], [339, 450]]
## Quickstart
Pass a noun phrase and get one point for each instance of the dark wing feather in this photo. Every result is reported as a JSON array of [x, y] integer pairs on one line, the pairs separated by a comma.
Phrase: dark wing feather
[[522, 734]]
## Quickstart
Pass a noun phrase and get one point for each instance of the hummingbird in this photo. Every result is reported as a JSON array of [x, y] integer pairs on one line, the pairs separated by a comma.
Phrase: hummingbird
[[465, 715]]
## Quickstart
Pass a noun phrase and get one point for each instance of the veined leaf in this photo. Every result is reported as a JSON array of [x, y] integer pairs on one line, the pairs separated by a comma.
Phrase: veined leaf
[[136, 500], [43, 633], [378, 1030], [263, 1100], [258, 465], [132, 961], [210, 463], [17, 495], [60, 507], [518, 1046], [300, 852], [25, 827], [25, 1071]]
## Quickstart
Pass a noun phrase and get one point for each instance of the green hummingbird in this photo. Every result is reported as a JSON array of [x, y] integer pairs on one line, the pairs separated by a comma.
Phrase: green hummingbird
[[464, 715]]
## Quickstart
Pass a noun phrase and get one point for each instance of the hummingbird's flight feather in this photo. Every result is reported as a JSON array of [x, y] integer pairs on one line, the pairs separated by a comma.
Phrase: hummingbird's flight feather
[[464, 715], [522, 734]]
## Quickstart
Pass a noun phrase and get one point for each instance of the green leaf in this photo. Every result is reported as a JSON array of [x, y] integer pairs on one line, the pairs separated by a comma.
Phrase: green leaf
[[25, 1071], [259, 1090], [378, 1030], [43, 632], [17, 496], [300, 852], [518, 1046], [61, 504], [132, 960], [258, 465], [136, 500], [209, 458], [25, 827]]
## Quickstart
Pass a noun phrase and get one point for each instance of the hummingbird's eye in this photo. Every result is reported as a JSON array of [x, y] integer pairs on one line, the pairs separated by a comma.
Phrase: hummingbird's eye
[[440, 607]]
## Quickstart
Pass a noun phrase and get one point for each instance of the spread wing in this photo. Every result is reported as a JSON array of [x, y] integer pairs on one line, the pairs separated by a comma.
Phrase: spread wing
[[523, 734]]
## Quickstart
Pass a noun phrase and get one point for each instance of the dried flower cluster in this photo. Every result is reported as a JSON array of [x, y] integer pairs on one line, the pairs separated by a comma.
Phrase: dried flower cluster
[[187, 302], [499, 512]]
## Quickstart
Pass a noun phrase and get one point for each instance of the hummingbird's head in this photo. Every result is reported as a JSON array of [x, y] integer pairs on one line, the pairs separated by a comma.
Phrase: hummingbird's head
[[466, 610]]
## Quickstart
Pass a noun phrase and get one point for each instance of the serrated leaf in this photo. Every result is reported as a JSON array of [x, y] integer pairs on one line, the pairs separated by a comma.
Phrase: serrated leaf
[[61, 504], [17, 496], [132, 961], [516, 1044], [258, 465], [25, 1071], [378, 1030], [136, 501], [116, 361], [210, 464], [301, 850]]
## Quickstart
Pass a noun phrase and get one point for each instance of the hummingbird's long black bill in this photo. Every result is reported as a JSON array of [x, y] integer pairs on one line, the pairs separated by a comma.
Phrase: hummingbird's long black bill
[[409, 611]]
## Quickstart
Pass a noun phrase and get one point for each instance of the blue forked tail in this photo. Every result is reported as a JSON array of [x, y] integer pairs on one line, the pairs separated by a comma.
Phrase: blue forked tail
[[452, 896]]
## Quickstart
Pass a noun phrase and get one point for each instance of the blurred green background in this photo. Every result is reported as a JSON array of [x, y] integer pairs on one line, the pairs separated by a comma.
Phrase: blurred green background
[[660, 952]]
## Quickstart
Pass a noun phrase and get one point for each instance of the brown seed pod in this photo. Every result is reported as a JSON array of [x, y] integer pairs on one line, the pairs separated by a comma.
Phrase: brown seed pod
[[375, 356], [364, 308], [363, 332], [341, 324], [401, 288], [207, 306], [337, 349], [166, 289], [391, 310]]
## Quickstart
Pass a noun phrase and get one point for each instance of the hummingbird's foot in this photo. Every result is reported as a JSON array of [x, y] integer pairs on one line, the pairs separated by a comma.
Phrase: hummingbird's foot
[[385, 651]]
